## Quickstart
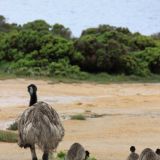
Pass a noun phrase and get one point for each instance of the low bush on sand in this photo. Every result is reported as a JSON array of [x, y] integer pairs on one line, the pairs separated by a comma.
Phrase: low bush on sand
[[6, 136], [78, 117]]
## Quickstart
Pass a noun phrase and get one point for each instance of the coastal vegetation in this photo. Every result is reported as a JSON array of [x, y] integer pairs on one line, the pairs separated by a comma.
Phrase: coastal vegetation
[[78, 117], [7, 136], [41, 49]]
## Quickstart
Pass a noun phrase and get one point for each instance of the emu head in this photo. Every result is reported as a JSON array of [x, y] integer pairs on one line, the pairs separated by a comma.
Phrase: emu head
[[87, 154], [158, 151], [32, 89], [132, 148]]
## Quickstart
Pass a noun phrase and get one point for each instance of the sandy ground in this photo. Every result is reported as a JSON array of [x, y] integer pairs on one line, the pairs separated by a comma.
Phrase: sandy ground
[[132, 116]]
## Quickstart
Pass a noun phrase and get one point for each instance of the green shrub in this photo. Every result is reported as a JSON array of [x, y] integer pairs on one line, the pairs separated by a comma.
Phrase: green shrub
[[6, 136], [148, 60], [61, 155], [154, 65], [13, 126], [78, 117], [58, 29], [142, 42], [63, 68], [131, 65], [40, 49]]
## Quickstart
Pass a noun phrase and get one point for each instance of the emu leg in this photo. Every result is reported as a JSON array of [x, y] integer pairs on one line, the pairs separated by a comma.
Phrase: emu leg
[[45, 156], [33, 152]]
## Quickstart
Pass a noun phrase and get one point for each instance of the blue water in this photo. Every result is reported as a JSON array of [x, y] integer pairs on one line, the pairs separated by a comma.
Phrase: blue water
[[138, 15]]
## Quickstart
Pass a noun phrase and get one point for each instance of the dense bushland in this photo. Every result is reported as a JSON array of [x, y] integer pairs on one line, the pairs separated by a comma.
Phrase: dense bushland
[[40, 49]]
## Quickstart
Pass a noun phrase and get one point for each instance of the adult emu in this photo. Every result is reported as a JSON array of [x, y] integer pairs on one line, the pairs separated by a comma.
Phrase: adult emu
[[148, 154], [77, 152], [133, 155], [41, 125]]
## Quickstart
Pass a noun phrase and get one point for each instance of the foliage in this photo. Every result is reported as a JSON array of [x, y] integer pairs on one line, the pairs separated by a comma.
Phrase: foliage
[[60, 30], [6, 27], [61, 155], [13, 126], [78, 117], [156, 35], [63, 68], [149, 58], [131, 65], [38, 25], [6, 136], [105, 48], [40, 49], [154, 65]]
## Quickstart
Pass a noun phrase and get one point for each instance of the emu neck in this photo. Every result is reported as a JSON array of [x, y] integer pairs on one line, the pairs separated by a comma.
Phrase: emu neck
[[33, 99]]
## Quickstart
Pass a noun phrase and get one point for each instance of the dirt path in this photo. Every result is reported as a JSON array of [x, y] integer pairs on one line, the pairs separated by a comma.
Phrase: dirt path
[[132, 115]]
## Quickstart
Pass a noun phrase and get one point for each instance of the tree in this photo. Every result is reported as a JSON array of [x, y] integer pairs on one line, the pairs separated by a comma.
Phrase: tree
[[4, 26], [60, 30], [38, 25]]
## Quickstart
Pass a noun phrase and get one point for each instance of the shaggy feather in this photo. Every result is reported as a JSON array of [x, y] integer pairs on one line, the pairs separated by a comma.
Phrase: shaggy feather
[[148, 154], [41, 125], [133, 156], [76, 152]]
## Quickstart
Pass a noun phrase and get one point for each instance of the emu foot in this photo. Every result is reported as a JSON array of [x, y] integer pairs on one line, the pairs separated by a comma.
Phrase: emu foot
[[35, 158], [45, 156]]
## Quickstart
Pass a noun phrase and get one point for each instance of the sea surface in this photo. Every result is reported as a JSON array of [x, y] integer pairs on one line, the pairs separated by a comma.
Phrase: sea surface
[[138, 15]]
